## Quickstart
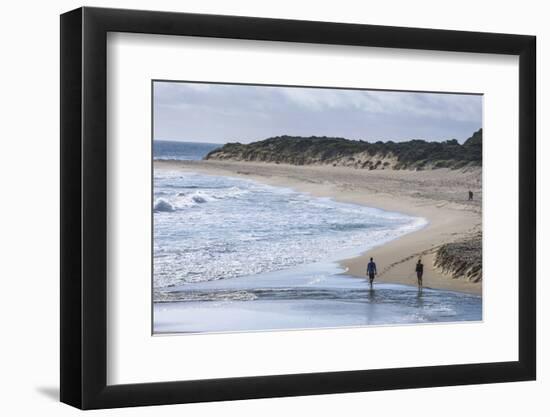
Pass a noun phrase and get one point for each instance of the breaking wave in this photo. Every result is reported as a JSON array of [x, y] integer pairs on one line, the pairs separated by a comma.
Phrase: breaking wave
[[210, 228]]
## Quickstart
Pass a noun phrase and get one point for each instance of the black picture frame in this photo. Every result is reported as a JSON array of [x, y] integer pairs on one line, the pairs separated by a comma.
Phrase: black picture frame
[[84, 207]]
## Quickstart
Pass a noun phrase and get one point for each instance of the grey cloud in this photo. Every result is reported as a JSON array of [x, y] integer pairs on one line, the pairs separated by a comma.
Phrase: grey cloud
[[223, 112]]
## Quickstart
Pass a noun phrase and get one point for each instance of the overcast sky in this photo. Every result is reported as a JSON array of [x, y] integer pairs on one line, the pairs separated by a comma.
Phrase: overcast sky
[[219, 113]]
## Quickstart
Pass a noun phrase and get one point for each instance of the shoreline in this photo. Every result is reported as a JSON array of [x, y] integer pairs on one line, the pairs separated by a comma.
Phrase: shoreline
[[417, 193]]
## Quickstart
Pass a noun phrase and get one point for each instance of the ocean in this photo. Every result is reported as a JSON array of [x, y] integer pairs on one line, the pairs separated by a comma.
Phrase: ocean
[[232, 254], [181, 151]]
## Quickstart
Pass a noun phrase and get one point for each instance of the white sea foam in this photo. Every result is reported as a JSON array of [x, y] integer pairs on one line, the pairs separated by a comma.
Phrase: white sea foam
[[211, 228]]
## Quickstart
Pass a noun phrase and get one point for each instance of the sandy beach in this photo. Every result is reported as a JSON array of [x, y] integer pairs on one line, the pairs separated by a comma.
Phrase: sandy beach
[[440, 196]]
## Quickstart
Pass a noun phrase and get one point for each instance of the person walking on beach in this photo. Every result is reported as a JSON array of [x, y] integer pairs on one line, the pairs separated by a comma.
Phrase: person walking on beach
[[371, 271], [470, 195], [419, 272]]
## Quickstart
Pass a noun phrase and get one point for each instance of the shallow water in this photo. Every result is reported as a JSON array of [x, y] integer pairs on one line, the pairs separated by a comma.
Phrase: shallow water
[[314, 296]]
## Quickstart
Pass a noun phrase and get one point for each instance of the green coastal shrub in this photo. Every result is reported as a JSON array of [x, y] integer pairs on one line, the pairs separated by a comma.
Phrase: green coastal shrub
[[413, 154]]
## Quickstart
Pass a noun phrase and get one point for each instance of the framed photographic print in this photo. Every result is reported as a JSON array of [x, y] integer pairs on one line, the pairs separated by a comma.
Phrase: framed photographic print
[[258, 207]]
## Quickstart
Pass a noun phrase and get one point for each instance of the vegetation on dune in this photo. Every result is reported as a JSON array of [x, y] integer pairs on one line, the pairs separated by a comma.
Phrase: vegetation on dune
[[413, 154], [462, 259]]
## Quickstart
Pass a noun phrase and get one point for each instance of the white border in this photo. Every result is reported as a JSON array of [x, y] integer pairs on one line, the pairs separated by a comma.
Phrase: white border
[[135, 356]]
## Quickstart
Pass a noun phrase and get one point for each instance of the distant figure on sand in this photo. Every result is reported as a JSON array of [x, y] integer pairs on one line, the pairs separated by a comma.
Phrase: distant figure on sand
[[470, 195], [371, 271], [419, 272]]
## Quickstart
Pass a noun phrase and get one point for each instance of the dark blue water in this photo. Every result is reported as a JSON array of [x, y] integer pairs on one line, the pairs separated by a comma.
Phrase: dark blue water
[[182, 151]]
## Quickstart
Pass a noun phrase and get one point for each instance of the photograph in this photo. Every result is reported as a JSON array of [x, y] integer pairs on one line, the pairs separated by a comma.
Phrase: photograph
[[285, 204], [280, 207]]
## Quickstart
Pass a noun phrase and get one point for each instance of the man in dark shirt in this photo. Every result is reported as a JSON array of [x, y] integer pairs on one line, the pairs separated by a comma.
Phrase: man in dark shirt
[[419, 272], [371, 271], [470, 195]]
